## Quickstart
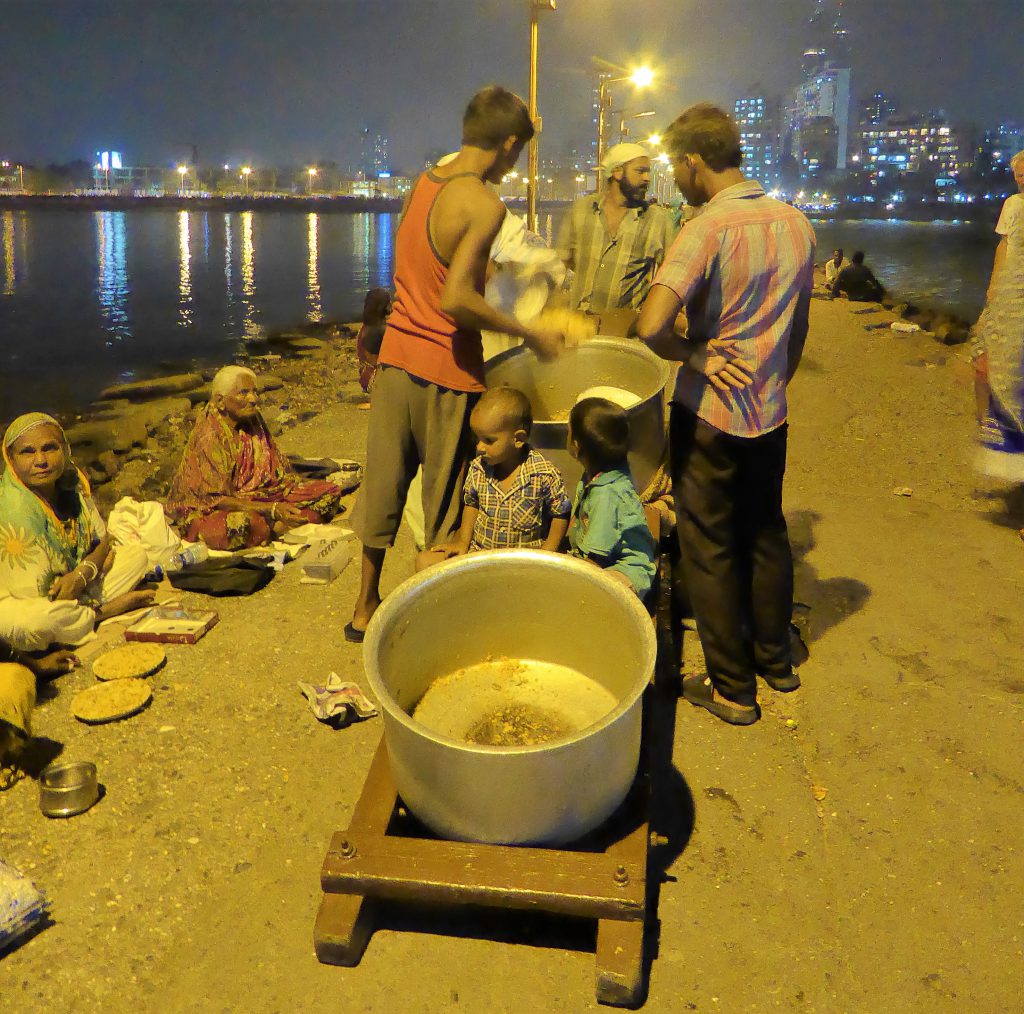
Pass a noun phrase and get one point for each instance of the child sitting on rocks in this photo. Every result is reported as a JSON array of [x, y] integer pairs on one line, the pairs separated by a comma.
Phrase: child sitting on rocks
[[514, 497], [608, 526]]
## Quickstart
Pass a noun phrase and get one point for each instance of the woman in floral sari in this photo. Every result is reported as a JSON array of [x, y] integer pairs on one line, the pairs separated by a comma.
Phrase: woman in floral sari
[[59, 573], [234, 489]]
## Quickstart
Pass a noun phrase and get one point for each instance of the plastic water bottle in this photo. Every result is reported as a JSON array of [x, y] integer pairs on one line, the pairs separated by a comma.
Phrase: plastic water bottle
[[179, 559]]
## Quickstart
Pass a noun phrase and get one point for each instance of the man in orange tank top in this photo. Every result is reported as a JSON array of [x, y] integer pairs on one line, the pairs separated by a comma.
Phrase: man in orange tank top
[[431, 360]]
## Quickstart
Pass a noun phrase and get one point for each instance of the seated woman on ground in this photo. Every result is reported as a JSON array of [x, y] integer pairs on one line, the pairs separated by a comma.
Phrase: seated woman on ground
[[18, 675], [376, 308], [59, 573], [234, 489]]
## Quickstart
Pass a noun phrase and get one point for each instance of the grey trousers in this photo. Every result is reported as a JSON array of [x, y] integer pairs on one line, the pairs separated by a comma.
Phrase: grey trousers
[[413, 423]]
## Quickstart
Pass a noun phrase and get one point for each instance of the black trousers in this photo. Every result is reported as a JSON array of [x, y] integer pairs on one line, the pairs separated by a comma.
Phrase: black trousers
[[736, 561]]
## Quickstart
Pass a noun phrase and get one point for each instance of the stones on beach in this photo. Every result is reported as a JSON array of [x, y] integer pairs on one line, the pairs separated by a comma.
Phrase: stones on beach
[[174, 384]]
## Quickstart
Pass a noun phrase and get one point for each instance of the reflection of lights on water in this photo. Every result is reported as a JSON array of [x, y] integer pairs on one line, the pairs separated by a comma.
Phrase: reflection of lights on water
[[384, 251], [315, 313], [185, 272], [112, 270], [227, 254], [250, 329], [360, 248], [372, 250], [8, 240]]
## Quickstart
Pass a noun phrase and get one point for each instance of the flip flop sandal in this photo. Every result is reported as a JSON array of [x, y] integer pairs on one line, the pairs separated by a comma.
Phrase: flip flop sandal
[[354, 636], [10, 775], [699, 692]]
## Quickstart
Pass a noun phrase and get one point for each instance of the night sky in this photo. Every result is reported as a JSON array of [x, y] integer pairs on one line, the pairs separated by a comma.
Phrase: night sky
[[291, 80]]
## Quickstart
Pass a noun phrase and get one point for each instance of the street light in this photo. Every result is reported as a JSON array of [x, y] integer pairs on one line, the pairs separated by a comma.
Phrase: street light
[[623, 116], [245, 171], [532, 158], [312, 172], [182, 172], [639, 78]]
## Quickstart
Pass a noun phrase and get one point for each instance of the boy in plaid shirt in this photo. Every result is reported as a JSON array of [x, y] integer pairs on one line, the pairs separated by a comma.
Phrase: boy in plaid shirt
[[514, 497]]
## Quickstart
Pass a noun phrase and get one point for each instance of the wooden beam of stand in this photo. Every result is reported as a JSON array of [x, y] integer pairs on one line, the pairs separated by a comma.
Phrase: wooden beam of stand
[[444, 872]]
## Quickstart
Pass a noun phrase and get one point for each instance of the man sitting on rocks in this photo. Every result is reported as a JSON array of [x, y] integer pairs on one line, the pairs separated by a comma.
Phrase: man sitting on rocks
[[834, 265], [858, 282], [234, 489]]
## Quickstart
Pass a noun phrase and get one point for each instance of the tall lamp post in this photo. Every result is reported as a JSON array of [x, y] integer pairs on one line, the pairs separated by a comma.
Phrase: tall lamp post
[[640, 78], [246, 171], [311, 171], [623, 127], [536, 6], [182, 172]]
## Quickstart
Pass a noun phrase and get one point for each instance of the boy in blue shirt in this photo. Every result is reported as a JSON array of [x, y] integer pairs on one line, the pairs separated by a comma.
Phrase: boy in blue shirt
[[608, 526]]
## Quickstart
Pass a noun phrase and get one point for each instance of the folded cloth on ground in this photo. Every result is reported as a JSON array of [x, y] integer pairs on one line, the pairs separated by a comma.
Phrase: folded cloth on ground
[[22, 905], [237, 575], [904, 326], [343, 472], [143, 522], [337, 701]]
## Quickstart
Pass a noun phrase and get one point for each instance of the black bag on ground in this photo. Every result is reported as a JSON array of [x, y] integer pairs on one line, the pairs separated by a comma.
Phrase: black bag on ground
[[226, 575]]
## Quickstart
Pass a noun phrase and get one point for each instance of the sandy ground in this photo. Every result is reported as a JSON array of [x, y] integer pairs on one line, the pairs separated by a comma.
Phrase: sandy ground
[[865, 856]]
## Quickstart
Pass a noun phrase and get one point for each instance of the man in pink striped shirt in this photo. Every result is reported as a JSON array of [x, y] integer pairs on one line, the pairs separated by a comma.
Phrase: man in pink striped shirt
[[743, 272]]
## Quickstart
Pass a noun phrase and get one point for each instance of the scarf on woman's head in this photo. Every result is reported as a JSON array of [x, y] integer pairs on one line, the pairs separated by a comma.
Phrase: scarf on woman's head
[[35, 545]]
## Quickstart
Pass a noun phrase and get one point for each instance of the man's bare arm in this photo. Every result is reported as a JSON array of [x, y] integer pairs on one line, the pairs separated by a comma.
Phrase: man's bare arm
[[657, 315]]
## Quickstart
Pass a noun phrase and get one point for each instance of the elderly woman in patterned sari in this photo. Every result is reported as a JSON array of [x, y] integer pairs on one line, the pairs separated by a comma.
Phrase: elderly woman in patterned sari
[[59, 572], [234, 489]]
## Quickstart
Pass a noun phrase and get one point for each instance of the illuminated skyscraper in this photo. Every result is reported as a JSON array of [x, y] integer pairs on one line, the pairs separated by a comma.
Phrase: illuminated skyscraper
[[818, 113], [840, 49], [756, 115], [375, 154]]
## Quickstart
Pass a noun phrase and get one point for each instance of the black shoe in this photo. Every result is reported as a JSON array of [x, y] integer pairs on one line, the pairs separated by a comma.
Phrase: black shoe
[[698, 691], [784, 684]]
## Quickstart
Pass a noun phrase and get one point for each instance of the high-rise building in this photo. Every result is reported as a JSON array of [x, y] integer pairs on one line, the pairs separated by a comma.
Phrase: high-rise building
[[757, 117], [840, 42], [375, 154], [921, 143], [822, 95], [877, 109]]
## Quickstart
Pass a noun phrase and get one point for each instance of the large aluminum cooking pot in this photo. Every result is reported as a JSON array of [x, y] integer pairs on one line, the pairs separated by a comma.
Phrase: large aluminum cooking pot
[[523, 604], [601, 362]]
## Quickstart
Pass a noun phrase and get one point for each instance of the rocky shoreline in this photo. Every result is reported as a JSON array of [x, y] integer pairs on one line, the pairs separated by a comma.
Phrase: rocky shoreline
[[946, 328], [130, 440]]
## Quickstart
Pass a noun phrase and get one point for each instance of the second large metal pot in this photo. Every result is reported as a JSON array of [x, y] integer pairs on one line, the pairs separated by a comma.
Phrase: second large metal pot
[[601, 362], [519, 604]]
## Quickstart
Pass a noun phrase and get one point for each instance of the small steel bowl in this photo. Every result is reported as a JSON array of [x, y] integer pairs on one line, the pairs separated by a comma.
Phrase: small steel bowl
[[68, 789]]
